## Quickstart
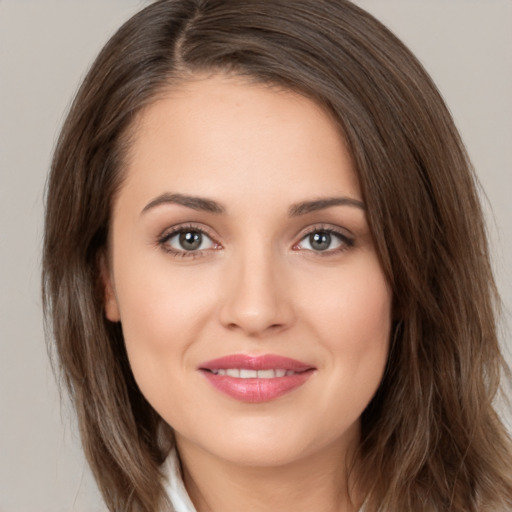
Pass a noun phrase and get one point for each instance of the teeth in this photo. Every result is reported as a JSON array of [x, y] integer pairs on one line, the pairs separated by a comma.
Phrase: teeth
[[253, 374], [248, 374], [267, 374]]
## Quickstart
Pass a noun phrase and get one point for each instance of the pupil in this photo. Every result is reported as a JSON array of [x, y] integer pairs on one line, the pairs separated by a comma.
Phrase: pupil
[[320, 241], [191, 240]]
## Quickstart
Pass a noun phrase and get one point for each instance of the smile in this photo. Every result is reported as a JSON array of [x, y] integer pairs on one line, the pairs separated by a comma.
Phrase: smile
[[242, 373], [255, 379]]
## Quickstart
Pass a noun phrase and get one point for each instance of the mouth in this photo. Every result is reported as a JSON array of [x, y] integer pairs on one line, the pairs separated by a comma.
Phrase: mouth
[[242, 373], [255, 379]]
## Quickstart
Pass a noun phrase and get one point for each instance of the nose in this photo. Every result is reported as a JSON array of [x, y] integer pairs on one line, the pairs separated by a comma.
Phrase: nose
[[256, 298]]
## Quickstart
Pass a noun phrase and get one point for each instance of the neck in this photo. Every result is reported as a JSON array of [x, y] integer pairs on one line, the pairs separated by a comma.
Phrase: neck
[[315, 482]]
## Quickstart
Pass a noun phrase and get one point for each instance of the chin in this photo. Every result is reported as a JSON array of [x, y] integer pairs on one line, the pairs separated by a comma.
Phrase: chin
[[260, 453], [267, 444]]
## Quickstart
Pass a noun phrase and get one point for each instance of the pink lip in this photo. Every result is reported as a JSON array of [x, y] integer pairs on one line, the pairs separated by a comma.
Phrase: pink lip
[[264, 362], [254, 390]]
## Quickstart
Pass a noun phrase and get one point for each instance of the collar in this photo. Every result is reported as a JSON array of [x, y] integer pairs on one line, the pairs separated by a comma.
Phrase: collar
[[174, 485]]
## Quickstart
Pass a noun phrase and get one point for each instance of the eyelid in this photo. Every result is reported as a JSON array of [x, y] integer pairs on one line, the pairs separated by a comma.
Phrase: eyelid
[[172, 231], [348, 240]]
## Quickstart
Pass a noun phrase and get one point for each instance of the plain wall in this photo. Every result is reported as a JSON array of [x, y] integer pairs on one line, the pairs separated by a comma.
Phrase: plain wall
[[45, 48]]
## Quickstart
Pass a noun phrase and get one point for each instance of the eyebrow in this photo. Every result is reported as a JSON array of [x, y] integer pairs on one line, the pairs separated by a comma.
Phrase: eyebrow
[[210, 206], [320, 204], [195, 203]]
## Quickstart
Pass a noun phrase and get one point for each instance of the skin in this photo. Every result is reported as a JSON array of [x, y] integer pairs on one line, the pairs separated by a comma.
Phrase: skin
[[256, 286]]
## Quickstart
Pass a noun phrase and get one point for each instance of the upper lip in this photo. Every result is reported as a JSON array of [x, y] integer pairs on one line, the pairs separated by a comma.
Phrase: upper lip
[[262, 362]]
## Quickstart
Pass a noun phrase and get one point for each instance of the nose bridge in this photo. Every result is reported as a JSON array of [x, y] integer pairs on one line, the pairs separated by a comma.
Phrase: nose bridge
[[256, 299]]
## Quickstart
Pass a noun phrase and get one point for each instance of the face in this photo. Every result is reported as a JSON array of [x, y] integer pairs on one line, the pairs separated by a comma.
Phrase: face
[[255, 313]]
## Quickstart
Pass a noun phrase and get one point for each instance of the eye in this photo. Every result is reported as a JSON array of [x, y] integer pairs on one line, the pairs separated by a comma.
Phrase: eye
[[325, 240], [187, 240]]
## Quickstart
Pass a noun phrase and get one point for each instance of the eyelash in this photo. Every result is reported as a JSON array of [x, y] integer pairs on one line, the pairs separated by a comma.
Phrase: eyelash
[[185, 228], [346, 242]]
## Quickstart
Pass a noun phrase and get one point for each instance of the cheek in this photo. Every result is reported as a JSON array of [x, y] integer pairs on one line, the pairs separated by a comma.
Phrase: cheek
[[356, 335], [353, 307], [161, 319], [162, 313], [351, 317]]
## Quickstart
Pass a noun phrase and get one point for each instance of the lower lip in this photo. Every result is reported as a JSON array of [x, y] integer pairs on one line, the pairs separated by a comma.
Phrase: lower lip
[[257, 390]]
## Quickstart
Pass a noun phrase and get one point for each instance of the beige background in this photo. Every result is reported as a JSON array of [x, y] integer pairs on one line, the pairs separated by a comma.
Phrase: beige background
[[45, 48]]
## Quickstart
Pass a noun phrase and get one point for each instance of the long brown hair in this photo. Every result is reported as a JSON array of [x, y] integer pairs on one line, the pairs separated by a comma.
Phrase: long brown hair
[[431, 439]]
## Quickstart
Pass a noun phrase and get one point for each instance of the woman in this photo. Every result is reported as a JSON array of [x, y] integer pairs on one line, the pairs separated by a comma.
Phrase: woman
[[267, 273]]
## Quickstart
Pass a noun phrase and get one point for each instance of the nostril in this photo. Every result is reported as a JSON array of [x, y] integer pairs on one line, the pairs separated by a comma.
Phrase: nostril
[[255, 306]]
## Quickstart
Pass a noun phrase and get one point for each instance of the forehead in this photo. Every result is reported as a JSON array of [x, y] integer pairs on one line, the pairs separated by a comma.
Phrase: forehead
[[220, 134]]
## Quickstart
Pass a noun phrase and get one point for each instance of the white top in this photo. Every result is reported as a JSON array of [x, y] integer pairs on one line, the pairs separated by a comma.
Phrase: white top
[[175, 487]]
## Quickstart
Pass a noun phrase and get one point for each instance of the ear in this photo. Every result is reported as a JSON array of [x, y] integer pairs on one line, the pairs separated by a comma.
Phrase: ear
[[109, 295]]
